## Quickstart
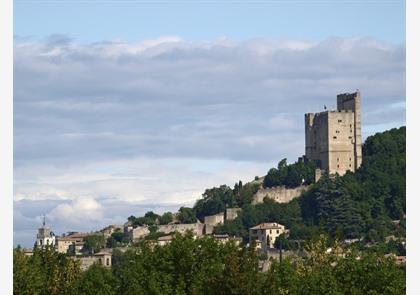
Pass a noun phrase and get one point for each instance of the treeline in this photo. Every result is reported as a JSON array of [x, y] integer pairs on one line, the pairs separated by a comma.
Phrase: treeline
[[369, 203], [204, 266], [184, 215]]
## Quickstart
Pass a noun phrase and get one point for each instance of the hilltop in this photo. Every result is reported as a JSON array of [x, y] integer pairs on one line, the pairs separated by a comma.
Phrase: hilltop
[[367, 205]]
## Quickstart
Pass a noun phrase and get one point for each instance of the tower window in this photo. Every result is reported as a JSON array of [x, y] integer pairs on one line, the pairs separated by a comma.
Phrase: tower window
[[335, 137], [338, 159], [339, 121], [338, 166], [337, 131], [349, 165]]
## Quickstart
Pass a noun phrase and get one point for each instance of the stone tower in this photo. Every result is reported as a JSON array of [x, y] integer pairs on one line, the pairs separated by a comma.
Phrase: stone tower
[[333, 138]]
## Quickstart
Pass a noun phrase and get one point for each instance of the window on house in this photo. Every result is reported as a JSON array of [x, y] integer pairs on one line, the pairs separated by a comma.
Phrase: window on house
[[349, 165], [278, 231], [350, 137], [334, 137], [107, 261], [339, 121], [349, 159], [338, 166], [337, 131], [338, 159]]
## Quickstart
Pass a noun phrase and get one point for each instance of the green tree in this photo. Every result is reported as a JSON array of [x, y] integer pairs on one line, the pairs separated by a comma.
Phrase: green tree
[[166, 218], [186, 215], [96, 280], [45, 272], [94, 243]]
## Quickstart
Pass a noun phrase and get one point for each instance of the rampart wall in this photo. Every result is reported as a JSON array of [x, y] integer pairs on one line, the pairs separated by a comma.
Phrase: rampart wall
[[279, 194]]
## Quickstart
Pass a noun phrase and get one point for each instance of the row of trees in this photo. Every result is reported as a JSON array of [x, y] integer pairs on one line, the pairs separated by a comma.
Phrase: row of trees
[[151, 219], [204, 266]]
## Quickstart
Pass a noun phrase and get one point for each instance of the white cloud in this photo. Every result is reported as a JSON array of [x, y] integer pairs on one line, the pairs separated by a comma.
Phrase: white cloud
[[79, 211]]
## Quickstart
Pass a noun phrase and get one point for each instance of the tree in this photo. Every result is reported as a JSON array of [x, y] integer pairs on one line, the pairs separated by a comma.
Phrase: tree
[[166, 218], [93, 243], [96, 280], [45, 272], [214, 201], [186, 215], [116, 239], [293, 175]]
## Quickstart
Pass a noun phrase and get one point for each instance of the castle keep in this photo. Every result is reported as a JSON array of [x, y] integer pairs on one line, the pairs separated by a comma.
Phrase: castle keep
[[333, 139]]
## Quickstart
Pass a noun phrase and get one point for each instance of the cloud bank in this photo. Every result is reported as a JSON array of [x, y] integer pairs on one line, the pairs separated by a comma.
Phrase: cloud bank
[[158, 121]]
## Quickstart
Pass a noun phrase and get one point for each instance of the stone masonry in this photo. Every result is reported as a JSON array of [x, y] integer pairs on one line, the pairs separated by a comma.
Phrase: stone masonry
[[333, 138], [279, 194]]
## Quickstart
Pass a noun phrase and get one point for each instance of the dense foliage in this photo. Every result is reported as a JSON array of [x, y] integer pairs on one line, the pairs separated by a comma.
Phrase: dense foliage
[[217, 199], [204, 266], [293, 175], [93, 243], [117, 239], [46, 272]]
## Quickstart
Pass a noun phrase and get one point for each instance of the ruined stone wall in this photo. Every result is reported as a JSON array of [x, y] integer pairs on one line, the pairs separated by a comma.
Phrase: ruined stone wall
[[215, 219], [138, 232], [197, 228], [279, 194], [232, 213]]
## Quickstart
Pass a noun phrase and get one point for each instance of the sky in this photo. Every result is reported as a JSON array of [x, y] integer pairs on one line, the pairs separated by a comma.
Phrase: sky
[[121, 107]]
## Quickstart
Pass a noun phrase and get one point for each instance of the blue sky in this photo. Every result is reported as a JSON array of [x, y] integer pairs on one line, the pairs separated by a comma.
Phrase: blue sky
[[121, 107], [89, 21]]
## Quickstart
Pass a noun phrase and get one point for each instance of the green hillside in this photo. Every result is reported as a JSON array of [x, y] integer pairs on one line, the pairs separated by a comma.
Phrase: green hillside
[[368, 204]]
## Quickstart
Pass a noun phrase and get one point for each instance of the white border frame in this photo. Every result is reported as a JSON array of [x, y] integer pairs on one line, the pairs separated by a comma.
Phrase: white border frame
[[413, 144], [6, 146]]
